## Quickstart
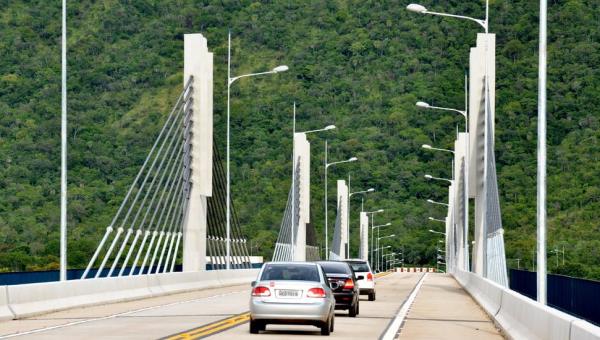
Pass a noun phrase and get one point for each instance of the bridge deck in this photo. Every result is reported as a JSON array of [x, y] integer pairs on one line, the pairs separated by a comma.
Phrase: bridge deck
[[441, 311]]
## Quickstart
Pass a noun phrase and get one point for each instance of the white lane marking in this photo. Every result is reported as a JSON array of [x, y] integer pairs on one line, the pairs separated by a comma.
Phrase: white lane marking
[[392, 330], [74, 323]]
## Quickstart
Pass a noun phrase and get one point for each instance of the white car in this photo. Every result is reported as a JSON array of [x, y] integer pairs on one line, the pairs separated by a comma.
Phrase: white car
[[292, 293], [367, 283]]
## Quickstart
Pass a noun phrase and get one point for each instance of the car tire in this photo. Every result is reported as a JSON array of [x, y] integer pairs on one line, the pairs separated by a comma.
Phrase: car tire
[[332, 322], [255, 326], [326, 327], [372, 296], [353, 310]]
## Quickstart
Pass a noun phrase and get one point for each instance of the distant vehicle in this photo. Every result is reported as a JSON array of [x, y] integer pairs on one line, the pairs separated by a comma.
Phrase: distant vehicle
[[343, 284], [366, 285], [292, 293]]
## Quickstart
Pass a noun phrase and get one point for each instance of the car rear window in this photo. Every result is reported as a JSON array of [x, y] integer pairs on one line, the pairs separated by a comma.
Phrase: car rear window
[[359, 267], [335, 267], [289, 272]]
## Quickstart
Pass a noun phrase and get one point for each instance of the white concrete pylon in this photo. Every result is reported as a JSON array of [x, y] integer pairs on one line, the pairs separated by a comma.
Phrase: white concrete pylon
[[461, 206], [364, 236], [342, 202], [198, 63], [302, 156], [477, 120]]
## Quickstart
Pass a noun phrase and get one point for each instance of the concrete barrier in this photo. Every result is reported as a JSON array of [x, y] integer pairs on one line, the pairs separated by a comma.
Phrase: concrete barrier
[[38, 298], [583, 330], [521, 317], [189, 281], [27, 300], [487, 293], [524, 318], [5, 311], [235, 277]]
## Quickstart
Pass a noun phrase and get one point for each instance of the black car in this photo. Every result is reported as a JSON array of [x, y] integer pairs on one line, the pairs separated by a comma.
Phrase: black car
[[343, 284]]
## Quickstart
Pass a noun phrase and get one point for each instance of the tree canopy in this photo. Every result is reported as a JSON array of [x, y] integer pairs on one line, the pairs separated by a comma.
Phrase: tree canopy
[[360, 65]]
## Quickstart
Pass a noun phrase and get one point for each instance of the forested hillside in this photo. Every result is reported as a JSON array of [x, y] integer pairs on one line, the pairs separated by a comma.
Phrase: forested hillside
[[360, 65]]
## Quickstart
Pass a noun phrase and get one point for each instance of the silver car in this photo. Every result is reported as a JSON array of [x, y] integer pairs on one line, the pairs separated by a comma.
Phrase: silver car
[[291, 293]]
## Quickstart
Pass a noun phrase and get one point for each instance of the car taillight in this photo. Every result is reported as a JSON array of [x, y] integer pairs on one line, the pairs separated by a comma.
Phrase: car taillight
[[261, 291], [316, 293], [369, 277], [349, 284]]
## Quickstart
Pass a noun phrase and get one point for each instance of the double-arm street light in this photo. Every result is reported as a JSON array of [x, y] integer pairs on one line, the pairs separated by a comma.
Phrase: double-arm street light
[[230, 81], [327, 165]]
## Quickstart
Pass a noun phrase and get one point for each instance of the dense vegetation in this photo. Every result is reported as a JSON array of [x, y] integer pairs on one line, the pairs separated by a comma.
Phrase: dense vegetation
[[358, 64]]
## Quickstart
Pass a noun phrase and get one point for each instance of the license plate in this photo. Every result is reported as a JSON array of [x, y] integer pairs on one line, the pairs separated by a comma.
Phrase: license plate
[[288, 293]]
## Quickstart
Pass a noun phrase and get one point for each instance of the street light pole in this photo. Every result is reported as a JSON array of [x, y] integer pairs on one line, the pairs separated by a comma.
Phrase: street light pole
[[326, 222], [231, 80], [63, 158], [541, 158], [293, 182]]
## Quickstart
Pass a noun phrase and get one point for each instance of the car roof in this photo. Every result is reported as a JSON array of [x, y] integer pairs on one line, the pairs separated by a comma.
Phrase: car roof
[[356, 260], [292, 263]]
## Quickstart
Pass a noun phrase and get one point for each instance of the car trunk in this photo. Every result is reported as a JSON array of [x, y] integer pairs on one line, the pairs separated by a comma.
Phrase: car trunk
[[337, 281], [292, 292]]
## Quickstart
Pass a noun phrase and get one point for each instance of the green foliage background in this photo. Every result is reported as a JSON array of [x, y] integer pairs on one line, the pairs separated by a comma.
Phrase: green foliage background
[[358, 64]]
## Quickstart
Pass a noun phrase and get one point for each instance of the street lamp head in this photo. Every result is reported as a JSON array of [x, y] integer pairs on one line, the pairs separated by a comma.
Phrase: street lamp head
[[380, 210], [426, 146], [353, 159], [281, 68], [423, 105], [388, 224], [430, 201], [393, 235], [370, 190], [329, 127], [432, 231], [428, 176], [416, 8]]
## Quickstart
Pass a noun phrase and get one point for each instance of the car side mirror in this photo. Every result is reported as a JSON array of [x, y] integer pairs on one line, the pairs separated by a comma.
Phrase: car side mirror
[[360, 277], [253, 283]]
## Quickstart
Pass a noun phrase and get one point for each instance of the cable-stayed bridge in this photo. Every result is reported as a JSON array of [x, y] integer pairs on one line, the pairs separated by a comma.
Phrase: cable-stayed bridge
[[175, 212]]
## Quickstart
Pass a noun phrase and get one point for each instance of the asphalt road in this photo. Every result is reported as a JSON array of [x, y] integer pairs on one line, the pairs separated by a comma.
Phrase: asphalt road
[[215, 313]]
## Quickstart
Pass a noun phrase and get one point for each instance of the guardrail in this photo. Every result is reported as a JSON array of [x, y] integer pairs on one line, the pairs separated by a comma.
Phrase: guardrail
[[27, 300], [521, 317]]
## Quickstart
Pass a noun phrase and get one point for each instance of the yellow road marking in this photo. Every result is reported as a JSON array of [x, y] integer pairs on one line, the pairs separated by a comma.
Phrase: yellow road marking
[[382, 274], [212, 328]]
